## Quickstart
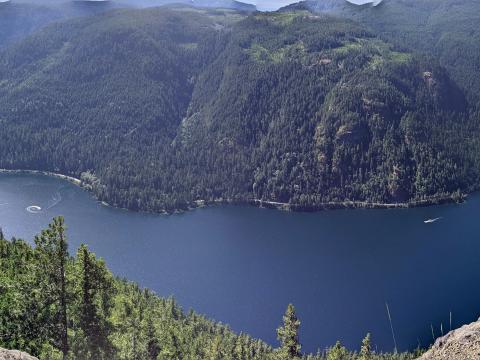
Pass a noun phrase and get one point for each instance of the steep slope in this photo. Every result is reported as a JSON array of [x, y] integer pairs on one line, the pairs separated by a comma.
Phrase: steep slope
[[108, 318], [158, 109], [106, 94], [111, 319], [446, 29], [325, 112]]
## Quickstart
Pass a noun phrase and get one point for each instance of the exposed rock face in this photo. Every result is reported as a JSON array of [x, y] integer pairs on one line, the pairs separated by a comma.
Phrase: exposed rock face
[[459, 344], [14, 355]]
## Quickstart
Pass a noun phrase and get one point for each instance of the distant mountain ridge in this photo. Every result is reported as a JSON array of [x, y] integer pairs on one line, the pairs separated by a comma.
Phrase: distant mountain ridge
[[328, 5], [19, 18]]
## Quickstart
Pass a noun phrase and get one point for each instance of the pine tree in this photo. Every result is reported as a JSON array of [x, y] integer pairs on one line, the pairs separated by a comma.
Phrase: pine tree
[[288, 335], [338, 352], [52, 249], [96, 289], [153, 345], [214, 352], [366, 349]]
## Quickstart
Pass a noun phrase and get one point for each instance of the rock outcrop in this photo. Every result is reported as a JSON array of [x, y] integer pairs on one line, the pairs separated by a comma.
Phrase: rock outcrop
[[14, 355], [459, 344]]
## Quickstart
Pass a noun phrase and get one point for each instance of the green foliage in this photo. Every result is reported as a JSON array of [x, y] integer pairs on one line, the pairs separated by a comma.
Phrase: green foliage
[[52, 262], [93, 305], [337, 352], [366, 349], [164, 109], [20, 19], [445, 29], [110, 318], [285, 107], [288, 336]]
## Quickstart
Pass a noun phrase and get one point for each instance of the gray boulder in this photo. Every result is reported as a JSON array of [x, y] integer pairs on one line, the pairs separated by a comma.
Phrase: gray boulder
[[14, 355], [459, 344]]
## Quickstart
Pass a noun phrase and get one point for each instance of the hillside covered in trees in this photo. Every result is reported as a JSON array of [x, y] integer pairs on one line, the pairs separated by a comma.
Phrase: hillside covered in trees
[[56, 306], [20, 18], [162, 109], [445, 29]]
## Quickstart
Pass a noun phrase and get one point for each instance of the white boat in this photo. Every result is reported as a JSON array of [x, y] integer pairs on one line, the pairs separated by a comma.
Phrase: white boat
[[429, 221]]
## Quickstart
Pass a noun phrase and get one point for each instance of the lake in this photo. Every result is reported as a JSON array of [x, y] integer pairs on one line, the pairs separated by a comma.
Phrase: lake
[[242, 265]]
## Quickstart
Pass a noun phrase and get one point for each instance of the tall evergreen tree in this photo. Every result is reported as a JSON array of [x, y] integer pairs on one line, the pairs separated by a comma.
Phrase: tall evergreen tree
[[366, 348], [153, 345], [96, 289], [52, 249], [288, 335]]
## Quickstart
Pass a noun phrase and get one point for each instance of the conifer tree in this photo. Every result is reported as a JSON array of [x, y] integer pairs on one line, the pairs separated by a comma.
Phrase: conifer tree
[[366, 349], [338, 352], [153, 345], [96, 289], [288, 335], [52, 249]]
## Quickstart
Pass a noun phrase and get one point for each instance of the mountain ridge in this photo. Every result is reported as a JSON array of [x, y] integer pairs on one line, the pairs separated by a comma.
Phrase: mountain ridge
[[19, 19], [441, 29]]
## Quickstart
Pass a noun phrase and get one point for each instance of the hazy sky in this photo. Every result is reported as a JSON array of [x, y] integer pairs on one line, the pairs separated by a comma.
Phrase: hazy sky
[[275, 4]]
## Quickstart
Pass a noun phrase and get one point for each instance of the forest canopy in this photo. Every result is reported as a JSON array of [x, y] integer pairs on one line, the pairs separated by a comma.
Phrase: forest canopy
[[167, 108]]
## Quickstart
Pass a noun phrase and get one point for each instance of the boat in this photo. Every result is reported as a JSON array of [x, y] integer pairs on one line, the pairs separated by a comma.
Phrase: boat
[[430, 221]]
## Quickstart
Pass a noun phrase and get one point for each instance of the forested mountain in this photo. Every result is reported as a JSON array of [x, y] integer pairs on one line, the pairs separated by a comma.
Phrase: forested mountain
[[445, 29], [20, 18], [324, 6], [159, 109], [218, 4], [53, 304]]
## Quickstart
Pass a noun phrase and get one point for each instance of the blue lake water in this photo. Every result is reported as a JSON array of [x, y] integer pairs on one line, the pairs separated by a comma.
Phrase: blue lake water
[[243, 265]]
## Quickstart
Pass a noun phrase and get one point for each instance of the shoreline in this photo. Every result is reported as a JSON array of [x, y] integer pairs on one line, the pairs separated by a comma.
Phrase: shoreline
[[71, 179], [341, 205], [196, 204]]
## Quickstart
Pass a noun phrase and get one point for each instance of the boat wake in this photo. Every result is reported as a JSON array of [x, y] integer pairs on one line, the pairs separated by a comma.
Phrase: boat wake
[[34, 209], [431, 221], [56, 198]]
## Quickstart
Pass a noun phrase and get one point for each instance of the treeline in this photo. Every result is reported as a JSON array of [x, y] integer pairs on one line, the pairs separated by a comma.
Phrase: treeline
[[56, 306], [158, 109]]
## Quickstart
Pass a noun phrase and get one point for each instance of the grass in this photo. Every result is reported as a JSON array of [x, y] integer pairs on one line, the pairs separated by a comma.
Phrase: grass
[[347, 48], [261, 54]]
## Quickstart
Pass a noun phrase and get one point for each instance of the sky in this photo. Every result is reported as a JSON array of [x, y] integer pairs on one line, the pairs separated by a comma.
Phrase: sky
[[275, 4]]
